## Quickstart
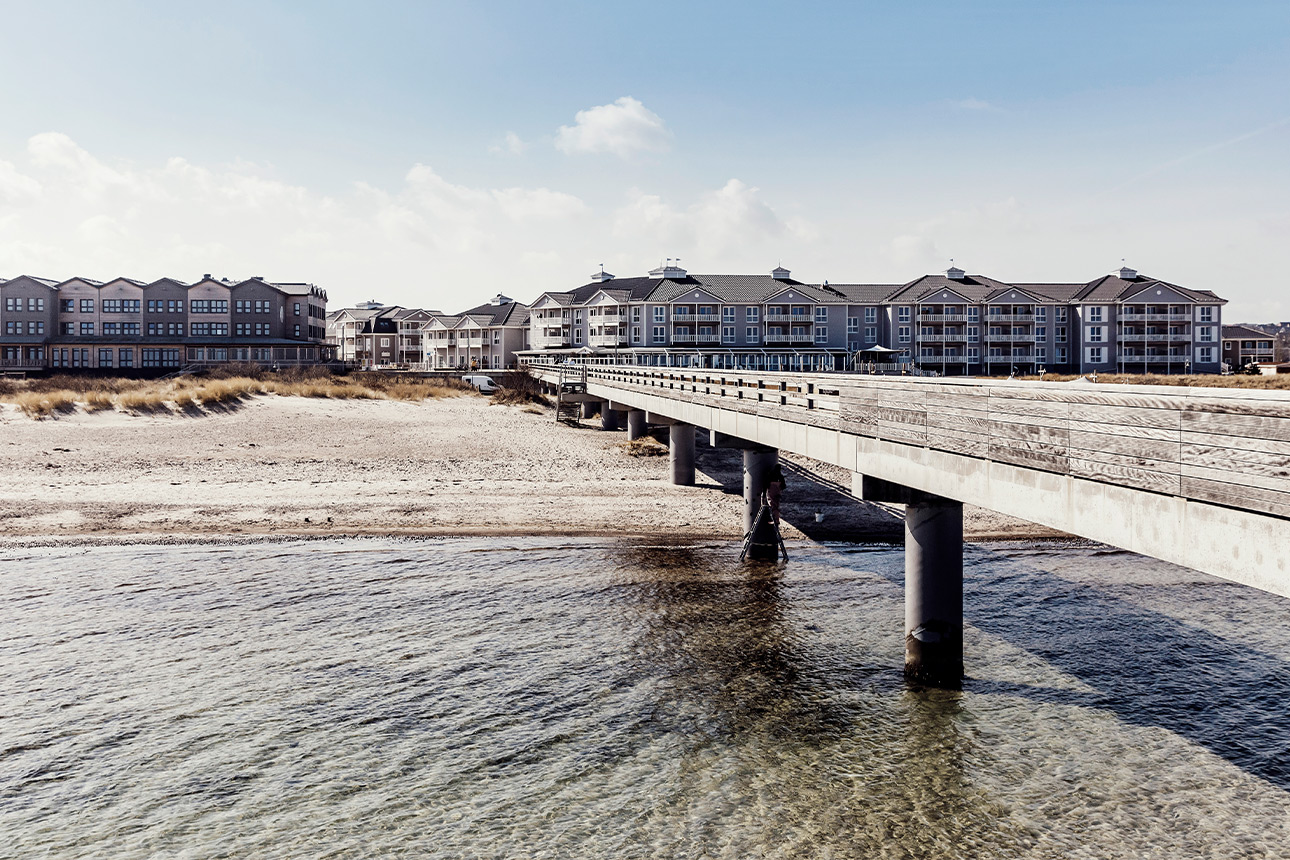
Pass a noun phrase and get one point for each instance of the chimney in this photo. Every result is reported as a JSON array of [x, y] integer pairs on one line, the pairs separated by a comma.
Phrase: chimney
[[206, 277]]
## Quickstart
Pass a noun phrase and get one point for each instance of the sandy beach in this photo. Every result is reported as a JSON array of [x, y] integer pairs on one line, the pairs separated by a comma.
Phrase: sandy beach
[[294, 466]]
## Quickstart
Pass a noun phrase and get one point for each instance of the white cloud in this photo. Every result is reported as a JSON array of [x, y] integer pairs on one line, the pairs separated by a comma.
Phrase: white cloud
[[623, 128], [512, 145], [16, 188], [731, 219]]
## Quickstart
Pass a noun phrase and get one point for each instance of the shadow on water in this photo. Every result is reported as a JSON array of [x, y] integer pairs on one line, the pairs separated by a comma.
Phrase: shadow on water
[[1148, 668]]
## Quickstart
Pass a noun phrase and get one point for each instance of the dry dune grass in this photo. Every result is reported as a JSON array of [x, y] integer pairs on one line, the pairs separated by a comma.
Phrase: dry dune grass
[[43, 398]]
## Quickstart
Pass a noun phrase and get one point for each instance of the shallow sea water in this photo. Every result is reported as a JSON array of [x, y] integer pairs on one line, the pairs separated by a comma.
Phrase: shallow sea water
[[611, 699]]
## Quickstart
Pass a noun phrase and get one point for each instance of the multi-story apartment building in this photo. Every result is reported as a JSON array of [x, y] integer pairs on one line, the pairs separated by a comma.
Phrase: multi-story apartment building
[[953, 323], [372, 335], [127, 324], [1244, 345], [484, 337]]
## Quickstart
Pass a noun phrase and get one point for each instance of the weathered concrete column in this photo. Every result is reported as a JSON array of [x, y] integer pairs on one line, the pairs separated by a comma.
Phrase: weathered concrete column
[[590, 408], [608, 418], [636, 427], [680, 451], [934, 591], [933, 579], [758, 464]]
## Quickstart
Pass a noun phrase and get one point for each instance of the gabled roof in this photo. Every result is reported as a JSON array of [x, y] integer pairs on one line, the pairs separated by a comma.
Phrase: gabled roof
[[1009, 292], [975, 288], [1244, 332], [44, 282], [1113, 288], [1054, 292], [89, 281], [131, 281], [509, 313]]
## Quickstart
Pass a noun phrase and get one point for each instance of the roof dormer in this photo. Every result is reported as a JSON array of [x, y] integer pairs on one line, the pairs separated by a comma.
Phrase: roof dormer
[[669, 270]]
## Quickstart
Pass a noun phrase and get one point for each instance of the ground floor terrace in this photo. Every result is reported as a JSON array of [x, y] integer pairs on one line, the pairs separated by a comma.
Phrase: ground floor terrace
[[129, 356]]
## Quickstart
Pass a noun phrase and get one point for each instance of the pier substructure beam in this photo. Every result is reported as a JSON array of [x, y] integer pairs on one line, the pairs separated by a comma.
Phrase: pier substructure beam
[[680, 453], [636, 427], [933, 582]]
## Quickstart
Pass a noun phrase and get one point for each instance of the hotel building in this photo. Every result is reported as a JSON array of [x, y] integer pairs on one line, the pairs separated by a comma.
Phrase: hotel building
[[952, 323]]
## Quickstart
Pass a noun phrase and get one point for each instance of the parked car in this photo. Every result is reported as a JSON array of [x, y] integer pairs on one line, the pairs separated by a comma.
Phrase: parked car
[[485, 384]]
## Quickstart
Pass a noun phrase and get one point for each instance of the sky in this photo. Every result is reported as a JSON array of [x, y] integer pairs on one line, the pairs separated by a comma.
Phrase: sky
[[433, 154]]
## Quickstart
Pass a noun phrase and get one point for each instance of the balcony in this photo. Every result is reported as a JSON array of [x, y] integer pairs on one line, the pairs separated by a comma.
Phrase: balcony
[[696, 338], [989, 319], [942, 338], [1182, 316], [607, 340], [1173, 337], [804, 338], [1155, 359], [1011, 338], [947, 359], [549, 341], [779, 316], [950, 318]]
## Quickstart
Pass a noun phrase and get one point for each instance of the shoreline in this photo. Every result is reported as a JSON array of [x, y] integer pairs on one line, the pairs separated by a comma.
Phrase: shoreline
[[288, 468]]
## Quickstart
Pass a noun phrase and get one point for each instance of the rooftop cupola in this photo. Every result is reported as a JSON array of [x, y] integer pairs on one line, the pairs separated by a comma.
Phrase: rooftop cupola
[[670, 270], [954, 273], [1127, 274], [500, 299], [779, 273], [602, 276]]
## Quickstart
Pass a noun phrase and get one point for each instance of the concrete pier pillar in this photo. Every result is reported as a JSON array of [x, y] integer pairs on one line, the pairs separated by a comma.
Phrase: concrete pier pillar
[[681, 453], [758, 464], [636, 423], [608, 418], [934, 591], [590, 408]]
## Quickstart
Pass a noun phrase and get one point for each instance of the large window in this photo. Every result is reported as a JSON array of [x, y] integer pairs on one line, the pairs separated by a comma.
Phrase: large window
[[871, 334], [821, 314], [752, 334], [727, 334], [752, 315], [902, 314], [87, 306], [902, 334], [1095, 313], [821, 334], [853, 325], [105, 357], [208, 306], [870, 316], [660, 314], [87, 328], [1207, 314], [728, 314], [660, 332]]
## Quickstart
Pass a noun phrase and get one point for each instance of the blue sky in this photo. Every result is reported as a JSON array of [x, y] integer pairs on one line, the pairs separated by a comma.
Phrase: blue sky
[[433, 154]]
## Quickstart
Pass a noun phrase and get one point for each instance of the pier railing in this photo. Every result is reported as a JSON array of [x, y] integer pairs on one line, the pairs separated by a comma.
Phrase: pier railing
[[1229, 447]]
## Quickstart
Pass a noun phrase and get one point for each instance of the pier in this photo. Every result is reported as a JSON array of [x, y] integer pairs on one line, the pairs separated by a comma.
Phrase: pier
[[1196, 476]]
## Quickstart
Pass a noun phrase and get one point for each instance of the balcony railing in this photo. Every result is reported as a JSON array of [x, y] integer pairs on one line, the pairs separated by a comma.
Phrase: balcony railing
[[696, 338], [1155, 359], [1159, 338], [947, 359], [607, 340], [1012, 338], [994, 318], [1182, 316], [777, 316], [547, 341], [942, 338], [930, 317]]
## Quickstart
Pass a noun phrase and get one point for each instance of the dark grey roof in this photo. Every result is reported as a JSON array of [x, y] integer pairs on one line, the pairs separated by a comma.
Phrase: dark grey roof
[[1111, 288], [497, 315], [1244, 332], [864, 294], [974, 288]]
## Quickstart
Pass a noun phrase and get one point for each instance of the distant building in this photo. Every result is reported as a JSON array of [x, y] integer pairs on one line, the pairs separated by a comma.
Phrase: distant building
[[375, 336], [125, 324], [954, 323], [1243, 344]]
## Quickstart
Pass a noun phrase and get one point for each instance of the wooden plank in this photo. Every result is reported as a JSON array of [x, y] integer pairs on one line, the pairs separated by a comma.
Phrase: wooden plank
[[1243, 443], [1170, 434], [1255, 426], [1126, 446], [1242, 478], [1236, 496], [1027, 408], [1047, 462], [1124, 475], [1007, 433], [1130, 416], [1152, 464], [1238, 461]]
